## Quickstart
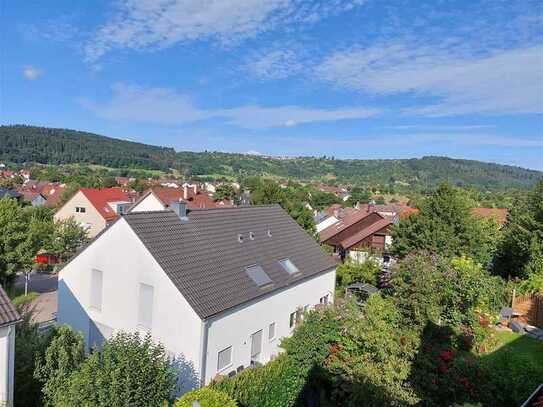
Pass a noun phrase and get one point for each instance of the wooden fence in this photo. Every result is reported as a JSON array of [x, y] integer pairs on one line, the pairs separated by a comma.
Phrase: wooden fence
[[531, 307]]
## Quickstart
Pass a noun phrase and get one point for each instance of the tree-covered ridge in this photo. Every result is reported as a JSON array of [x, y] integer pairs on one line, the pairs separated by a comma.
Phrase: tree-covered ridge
[[22, 144]]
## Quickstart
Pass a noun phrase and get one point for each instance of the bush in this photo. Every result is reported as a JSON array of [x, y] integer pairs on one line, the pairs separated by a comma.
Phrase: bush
[[277, 384], [353, 272], [62, 357], [207, 397], [127, 371]]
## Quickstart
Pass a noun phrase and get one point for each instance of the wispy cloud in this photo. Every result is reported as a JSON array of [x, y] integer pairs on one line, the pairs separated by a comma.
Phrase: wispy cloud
[[165, 106], [30, 73], [503, 82], [150, 24], [443, 127], [275, 63]]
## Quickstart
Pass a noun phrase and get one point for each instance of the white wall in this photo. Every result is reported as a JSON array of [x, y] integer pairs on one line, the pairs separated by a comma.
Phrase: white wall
[[149, 203], [90, 219], [235, 327], [125, 263], [7, 358]]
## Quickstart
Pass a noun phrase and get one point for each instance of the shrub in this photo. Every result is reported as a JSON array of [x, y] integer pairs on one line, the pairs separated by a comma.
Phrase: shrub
[[63, 356], [277, 384], [353, 272], [207, 397], [127, 371]]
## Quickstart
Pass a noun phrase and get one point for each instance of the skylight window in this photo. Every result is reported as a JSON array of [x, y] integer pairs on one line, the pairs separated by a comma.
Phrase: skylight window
[[258, 275], [289, 266]]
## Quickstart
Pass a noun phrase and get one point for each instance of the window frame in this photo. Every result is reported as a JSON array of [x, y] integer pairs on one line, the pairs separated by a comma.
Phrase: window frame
[[286, 268], [272, 338], [230, 362], [100, 291], [141, 306]]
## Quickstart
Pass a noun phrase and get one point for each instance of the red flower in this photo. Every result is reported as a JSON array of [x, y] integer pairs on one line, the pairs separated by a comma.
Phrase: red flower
[[446, 355]]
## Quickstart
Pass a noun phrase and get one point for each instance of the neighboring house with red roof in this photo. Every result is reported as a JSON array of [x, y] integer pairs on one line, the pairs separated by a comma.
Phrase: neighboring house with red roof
[[359, 231], [95, 208], [158, 199], [500, 214]]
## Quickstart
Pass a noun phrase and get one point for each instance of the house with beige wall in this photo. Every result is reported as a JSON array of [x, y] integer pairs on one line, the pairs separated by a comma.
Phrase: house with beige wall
[[95, 208]]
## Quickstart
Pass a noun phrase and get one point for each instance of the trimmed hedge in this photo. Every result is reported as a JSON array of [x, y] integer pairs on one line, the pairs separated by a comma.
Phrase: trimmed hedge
[[277, 384], [207, 397]]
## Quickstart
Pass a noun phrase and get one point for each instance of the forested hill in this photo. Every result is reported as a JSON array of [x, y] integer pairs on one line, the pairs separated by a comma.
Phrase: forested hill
[[24, 144]]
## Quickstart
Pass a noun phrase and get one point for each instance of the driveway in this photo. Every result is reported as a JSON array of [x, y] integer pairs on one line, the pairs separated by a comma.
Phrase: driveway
[[44, 308]]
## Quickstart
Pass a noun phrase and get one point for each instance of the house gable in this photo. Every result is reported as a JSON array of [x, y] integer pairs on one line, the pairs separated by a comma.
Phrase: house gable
[[148, 202], [90, 218], [124, 264]]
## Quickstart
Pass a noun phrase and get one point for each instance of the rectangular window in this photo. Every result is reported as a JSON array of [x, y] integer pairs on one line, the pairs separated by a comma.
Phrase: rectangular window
[[271, 331], [289, 266], [145, 314], [224, 358], [258, 275], [292, 319], [96, 289], [80, 209]]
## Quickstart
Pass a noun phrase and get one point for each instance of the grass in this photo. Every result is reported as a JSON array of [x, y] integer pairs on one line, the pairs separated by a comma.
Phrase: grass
[[517, 363], [522, 347]]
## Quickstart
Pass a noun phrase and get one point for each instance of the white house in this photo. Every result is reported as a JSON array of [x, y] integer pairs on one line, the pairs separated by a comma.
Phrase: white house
[[8, 319], [218, 288]]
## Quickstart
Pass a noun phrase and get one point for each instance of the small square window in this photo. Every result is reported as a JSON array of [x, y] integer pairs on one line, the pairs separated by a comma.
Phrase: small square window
[[224, 358], [289, 266], [271, 331], [80, 209]]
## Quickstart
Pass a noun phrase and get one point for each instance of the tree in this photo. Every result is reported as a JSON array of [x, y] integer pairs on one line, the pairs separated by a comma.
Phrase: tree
[[446, 226], [128, 371], [30, 345], [67, 237], [63, 356], [222, 192], [522, 242]]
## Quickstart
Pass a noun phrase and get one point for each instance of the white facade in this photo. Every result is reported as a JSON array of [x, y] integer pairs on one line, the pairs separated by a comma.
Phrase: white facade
[[124, 263], [148, 203], [7, 359]]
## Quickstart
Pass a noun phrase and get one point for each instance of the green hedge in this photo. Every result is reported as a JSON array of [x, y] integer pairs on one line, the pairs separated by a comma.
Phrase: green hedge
[[207, 397], [277, 384]]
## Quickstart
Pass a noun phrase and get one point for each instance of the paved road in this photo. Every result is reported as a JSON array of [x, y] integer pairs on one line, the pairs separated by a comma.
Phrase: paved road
[[44, 308]]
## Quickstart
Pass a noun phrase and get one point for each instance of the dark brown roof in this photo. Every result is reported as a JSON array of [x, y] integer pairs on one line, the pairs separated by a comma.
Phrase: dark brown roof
[[206, 261], [8, 313], [364, 233]]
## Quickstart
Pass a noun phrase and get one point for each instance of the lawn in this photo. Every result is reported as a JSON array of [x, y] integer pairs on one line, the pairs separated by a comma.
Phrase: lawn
[[518, 364]]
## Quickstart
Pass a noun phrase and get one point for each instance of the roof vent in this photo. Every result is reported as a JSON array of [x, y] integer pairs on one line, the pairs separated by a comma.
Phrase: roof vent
[[252, 235], [180, 209], [269, 233], [240, 238]]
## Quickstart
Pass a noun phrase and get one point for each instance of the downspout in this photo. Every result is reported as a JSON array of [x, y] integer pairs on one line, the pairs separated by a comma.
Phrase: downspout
[[203, 351]]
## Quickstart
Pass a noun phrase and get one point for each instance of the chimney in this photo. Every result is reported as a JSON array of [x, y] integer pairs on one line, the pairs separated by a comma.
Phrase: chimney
[[371, 206], [195, 189], [185, 192], [180, 209], [336, 213]]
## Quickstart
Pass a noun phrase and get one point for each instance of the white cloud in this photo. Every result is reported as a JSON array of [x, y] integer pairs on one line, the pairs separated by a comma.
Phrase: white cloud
[[277, 63], [503, 82], [144, 24], [164, 106], [30, 73]]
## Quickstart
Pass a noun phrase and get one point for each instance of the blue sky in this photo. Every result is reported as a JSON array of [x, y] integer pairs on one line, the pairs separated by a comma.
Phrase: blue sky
[[343, 78]]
